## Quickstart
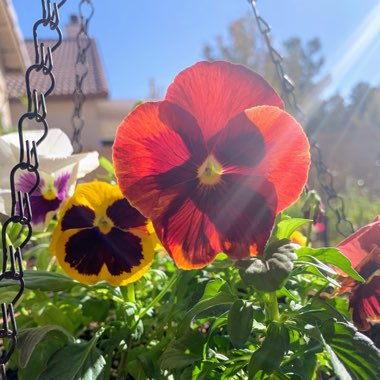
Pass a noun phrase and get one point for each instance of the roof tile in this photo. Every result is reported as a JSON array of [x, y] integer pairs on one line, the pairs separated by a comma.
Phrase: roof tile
[[64, 58]]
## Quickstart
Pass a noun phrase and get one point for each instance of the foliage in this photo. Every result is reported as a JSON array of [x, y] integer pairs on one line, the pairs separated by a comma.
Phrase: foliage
[[274, 317], [199, 324]]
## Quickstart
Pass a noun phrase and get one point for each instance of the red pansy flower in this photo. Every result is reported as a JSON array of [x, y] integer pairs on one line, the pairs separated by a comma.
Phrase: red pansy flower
[[363, 249], [213, 163]]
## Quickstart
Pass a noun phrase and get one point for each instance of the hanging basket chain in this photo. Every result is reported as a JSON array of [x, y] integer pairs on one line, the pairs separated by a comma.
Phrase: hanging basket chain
[[21, 212], [81, 71], [334, 201]]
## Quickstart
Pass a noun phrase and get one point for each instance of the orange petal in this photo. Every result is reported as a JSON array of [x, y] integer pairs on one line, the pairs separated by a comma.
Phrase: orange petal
[[149, 142], [216, 92], [287, 153], [189, 236], [362, 243], [233, 216]]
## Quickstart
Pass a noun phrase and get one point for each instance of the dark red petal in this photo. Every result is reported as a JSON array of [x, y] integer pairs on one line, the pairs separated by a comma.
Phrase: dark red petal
[[151, 141], [365, 303], [240, 143], [360, 244], [287, 153], [187, 234], [216, 92], [78, 217], [236, 217], [242, 208], [124, 215]]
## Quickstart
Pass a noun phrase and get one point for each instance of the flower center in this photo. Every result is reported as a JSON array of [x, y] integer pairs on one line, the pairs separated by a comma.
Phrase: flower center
[[210, 172], [104, 223], [49, 192]]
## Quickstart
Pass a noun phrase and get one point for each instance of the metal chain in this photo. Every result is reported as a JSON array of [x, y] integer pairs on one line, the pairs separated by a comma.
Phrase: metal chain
[[21, 212], [334, 201], [81, 71]]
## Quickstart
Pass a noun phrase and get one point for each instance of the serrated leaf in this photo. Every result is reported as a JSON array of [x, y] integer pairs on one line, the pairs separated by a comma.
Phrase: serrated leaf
[[28, 340], [286, 227], [352, 354], [81, 361], [269, 273], [240, 321], [333, 257]]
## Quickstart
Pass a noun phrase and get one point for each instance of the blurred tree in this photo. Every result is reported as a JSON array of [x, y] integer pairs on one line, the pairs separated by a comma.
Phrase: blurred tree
[[347, 129], [302, 62]]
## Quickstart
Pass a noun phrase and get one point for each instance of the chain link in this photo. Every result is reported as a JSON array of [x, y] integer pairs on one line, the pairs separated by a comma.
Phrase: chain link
[[81, 71], [334, 201], [21, 212]]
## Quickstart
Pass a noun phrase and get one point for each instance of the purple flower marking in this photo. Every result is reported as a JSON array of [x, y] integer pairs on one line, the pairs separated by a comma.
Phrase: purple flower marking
[[39, 204], [61, 185]]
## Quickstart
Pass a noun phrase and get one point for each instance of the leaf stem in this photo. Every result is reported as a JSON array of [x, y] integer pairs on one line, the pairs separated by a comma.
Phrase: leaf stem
[[159, 295], [128, 292], [313, 210], [271, 307]]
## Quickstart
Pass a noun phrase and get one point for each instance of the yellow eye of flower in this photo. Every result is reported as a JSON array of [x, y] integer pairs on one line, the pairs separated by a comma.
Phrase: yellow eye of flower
[[49, 192], [104, 223], [101, 237], [210, 172]]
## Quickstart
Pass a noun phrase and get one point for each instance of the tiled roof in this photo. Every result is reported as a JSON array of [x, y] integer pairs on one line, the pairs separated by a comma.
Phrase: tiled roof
[[64, 58]]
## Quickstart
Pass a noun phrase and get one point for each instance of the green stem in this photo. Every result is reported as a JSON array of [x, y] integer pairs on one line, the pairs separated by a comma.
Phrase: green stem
[[271, 307], [310, 226], [128, 292], [123, 361], [159, 296]]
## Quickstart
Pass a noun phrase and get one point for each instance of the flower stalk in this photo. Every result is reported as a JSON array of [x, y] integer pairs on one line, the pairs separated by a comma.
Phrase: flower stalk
[[160, 295], [271, 307]]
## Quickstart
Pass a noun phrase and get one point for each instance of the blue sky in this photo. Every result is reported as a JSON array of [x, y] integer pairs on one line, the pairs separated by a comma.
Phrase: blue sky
[[139, 40]]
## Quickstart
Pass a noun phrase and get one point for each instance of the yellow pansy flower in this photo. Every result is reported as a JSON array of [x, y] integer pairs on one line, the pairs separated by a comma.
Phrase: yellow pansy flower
[[101, 237]]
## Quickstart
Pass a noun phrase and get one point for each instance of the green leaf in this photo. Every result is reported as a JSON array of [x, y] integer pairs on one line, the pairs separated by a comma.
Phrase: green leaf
[[269, 356], [309, 264], [212, 288], [28, 339], [317, 312], [97, 310], [333, 257], [216, 293], [45, 281], [82, 361], [352, 354], [50, 314], [135, 369], [269, 273], [183, 352], [303, 365], [240, 321], [286, 227]]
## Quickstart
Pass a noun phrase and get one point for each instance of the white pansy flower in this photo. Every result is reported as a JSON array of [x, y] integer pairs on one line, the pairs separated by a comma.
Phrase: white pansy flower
[[58, 167]]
